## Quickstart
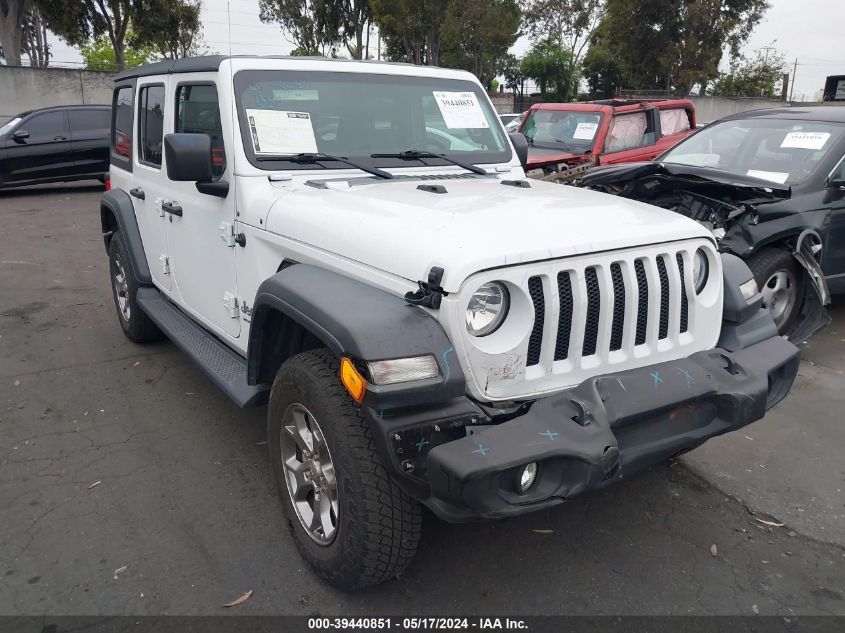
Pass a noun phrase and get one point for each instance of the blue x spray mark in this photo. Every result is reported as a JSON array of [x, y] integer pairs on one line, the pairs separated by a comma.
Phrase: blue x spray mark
[[689, 378], [549, 434], [655, 376], [422, 444], [482, 449]]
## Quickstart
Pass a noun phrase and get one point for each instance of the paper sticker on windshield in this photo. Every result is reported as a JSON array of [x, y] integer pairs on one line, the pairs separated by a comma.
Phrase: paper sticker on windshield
[[805, 140], [585, 131], [460, 110], [774, 176], [281, 132]]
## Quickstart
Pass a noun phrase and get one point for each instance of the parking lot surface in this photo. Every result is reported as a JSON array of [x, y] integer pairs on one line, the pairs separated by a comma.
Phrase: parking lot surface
[[130, 485]]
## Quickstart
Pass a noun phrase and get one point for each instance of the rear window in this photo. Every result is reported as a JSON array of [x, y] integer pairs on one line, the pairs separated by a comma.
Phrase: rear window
[[150, 124], [121, 141], [88, 120]]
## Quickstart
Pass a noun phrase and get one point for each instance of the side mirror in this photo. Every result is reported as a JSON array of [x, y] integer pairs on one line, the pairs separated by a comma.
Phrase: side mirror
[[520, 144], [20, 135], [837, 182], [188, 157]]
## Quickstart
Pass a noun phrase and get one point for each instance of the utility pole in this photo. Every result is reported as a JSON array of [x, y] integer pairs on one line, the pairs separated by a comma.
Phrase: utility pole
[[792, 88]]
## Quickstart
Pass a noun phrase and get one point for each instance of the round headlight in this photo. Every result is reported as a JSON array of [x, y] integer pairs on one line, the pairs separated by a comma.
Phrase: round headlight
[[700, 270], [487, 309]]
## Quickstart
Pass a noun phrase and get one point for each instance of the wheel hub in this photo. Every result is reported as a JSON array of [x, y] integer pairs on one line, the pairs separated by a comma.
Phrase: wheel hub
[[309, 474], [121, 289], [779, 295]]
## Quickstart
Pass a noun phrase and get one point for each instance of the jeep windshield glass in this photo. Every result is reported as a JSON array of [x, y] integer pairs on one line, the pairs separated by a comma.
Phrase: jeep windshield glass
[[355, 115], [783, 151], [562, 130]]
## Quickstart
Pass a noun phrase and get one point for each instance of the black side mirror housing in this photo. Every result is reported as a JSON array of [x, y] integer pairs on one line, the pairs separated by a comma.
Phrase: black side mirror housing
[[836, 183], [20, 135], [188, 157], [520, 144]]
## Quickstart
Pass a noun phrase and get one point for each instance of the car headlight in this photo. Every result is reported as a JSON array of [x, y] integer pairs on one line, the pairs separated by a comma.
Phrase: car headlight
[[487, 309], [700, 270]]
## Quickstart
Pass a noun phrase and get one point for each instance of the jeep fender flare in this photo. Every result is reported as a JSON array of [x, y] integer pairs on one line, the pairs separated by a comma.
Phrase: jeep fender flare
[[303, 306], [118, 213]]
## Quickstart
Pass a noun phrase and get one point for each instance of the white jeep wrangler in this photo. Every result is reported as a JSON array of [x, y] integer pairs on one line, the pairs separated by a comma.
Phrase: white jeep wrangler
[[356, 243]]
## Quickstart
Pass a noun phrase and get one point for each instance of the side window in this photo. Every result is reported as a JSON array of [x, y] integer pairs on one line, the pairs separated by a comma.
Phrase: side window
[[121, 140], [150, 124], [628, 131], [198, 112], [89, 120], [46, 128], [674, 121]]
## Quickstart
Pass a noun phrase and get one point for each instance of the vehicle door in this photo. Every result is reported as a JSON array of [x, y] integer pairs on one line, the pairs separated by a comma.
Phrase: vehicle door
[[39, 148], [833, 254], [200, 237], [148, 180], [89, 135], [630, 138]]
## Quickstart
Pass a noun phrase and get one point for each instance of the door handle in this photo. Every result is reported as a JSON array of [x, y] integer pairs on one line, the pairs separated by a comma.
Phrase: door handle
[[137, 192], [60, 138], [171, 207]]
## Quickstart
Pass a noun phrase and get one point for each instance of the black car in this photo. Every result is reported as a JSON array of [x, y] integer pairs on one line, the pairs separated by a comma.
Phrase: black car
[[770, 184], [55, 144]]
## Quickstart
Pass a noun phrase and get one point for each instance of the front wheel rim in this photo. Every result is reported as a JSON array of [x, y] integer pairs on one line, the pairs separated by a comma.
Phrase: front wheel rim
[[780, 293], [121, 289], [309, 474]]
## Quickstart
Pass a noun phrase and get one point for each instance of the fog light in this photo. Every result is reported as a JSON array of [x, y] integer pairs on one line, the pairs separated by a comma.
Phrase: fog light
[[527, 477], [749, 289]]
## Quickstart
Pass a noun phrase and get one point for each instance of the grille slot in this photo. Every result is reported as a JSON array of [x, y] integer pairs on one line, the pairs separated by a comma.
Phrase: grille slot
[[618, 327], [642, 303], [535, 289], [591, 327], [564, 322], [663, 332], [684, 299]]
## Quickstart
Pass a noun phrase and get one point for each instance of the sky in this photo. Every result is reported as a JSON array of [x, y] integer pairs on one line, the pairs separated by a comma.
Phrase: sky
[[807, 30]]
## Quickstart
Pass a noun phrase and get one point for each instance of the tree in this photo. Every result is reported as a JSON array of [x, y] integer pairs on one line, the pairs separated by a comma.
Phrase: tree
[[411, 29], [314, 26], [568, 23], [511, 70], [11, 29], [34, 38], [552, 68], [173, 28], [99, 54], [757, 77], [356, 17], [477, 34]]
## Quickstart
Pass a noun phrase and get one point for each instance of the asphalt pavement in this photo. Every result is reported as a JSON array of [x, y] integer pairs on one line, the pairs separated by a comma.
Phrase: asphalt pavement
[[130, 485]]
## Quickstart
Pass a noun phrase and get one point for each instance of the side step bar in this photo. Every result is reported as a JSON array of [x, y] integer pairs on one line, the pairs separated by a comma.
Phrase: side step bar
[[224, 367]]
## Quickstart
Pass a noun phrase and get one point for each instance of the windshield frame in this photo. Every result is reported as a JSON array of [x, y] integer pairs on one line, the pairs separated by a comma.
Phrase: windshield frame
[[243, 78], [829, 155], [546, 146]]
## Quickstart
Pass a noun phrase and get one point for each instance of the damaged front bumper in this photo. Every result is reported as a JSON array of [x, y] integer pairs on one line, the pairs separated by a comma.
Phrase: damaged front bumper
[[463, 460]]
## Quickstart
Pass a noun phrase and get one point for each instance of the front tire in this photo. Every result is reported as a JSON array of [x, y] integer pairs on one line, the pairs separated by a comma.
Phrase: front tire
[[137, 326], [781, 282], [349, 520]]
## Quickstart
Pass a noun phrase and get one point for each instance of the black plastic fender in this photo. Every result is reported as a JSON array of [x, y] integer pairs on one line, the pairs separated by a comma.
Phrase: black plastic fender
[[356, 320], [745, 322], [116, 209]]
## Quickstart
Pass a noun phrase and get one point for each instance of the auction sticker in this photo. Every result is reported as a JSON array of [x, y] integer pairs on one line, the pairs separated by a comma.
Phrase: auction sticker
[[805, 140], [281, 132], [460, 110], [585, 131]]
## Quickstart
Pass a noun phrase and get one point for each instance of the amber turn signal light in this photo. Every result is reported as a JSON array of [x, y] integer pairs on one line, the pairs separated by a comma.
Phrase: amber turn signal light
[[352, 379]]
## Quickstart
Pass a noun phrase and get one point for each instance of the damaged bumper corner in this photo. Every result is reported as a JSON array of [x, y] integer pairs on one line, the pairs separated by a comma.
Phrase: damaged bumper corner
[[463, 461]]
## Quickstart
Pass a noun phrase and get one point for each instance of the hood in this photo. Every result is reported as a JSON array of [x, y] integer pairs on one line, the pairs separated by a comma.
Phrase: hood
[[479, 223], [541, 156], [745, 187]]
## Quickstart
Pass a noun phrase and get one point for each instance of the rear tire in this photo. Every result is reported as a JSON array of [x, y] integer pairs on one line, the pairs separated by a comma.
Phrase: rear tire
[[137, 326], [781, 281], [374, 528]]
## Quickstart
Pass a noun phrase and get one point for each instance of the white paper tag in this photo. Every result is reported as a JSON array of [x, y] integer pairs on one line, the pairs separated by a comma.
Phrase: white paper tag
[[296, 95], [281, 132], [460, 110], [775, 176], [585, 131], [805, 140]]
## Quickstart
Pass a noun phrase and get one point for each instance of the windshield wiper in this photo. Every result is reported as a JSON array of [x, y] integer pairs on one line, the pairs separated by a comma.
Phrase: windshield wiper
[[316, 157], [414, 154]]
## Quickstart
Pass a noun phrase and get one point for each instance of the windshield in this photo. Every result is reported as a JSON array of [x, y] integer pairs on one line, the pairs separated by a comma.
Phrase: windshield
[[356, 115], [559, 129], [778, 150], [9, 125]]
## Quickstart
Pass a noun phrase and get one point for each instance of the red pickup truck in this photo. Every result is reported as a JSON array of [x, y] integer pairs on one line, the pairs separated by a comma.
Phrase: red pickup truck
[[566, 139]]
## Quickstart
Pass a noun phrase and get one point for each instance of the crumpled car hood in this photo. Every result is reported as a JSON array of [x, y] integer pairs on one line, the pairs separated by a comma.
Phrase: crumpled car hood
[[478, 224]]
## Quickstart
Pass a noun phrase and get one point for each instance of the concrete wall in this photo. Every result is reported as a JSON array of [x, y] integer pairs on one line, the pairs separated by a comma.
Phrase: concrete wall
[[503, 102], [709, 109], [24, 89]]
